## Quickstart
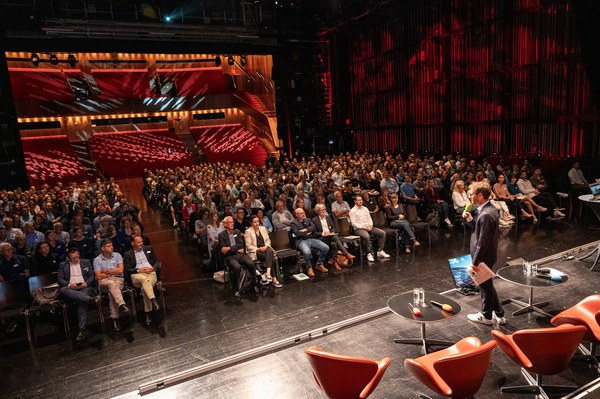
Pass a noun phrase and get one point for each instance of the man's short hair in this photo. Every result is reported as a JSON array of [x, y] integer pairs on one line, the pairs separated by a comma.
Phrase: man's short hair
[[72, 250], [482, 188], [105, 242], [319, 207]]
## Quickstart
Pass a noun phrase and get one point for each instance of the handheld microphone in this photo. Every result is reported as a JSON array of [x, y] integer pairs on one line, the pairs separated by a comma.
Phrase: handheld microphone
[[416, 311], [445, 307]]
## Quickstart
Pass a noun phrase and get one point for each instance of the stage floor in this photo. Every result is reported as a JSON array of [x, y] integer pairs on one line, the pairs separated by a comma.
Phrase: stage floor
[[204, 323]]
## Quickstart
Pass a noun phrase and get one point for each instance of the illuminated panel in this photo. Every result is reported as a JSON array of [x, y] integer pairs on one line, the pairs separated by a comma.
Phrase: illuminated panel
[[39, 85], [230, 143], [122, 83], [192, 82]]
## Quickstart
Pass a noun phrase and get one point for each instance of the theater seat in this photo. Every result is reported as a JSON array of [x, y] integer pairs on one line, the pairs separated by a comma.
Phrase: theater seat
[[542, 351], [455, 372], [345, 377]]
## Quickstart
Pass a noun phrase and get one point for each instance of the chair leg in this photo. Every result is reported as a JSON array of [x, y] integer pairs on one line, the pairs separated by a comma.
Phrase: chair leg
[[28, 327], [100, 312], [132, 299], [66, 322]]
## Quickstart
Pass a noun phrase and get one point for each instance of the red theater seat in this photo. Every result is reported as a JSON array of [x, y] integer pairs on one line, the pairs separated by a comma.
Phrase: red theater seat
[[126, 154], [229, 143], [51, 159]]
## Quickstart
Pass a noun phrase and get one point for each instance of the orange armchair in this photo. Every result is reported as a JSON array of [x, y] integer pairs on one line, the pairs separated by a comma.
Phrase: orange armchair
[[345, 377], [455, 372], [585, 313], [543, 351]]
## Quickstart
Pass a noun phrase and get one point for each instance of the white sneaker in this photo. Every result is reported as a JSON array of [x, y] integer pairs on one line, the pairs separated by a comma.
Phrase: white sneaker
[[370, 258], [559, 214], [448, 222], [382, 254], [503, 223], [562, 195], [499, 320], [478, 318], [558, 209], [542, 209]]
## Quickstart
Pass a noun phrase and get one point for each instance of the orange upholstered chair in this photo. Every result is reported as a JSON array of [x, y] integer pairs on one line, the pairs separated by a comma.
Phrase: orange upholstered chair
[[585, 313], [455, 372], [345, 377], [542, 351]]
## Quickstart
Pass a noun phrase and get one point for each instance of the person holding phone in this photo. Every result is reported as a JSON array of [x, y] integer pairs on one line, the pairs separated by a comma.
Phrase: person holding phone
[[76, 278]]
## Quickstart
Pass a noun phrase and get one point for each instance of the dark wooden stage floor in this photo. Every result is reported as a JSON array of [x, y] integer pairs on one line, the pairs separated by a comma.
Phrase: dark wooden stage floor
[[205, 323]]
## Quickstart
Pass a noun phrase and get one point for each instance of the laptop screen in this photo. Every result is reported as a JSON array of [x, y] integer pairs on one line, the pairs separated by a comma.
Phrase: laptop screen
[[595, 188], [458, 269]]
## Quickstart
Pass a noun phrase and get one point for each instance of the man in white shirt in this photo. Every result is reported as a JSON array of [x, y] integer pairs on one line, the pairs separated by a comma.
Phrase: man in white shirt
[[361, 221], [75, 277]]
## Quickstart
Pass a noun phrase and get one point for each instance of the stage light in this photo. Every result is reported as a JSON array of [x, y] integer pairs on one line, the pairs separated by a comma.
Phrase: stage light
[[72, 60], [217, 61], [53, 59], [35, 59], [230, 60], [167, 19], [243, 60]]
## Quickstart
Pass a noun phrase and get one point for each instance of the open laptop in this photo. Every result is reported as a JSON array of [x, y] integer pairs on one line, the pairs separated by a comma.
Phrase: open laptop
[[595, 188], [458, 269]]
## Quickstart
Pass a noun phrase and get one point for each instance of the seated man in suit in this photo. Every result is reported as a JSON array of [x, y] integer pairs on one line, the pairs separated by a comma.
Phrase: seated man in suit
[[325, 231], [258, 246], [303, 230], [108, 267], [141, 264], [76, 277], [232, 249]]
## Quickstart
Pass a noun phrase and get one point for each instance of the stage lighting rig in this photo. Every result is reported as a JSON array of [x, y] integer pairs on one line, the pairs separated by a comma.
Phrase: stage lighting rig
[[53, 59], [72, 60], [242, 60], [217, 61], [230, 60]]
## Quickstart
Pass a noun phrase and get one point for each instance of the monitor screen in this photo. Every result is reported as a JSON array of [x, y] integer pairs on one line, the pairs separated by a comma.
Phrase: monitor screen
[[595, 188], [458, 268]]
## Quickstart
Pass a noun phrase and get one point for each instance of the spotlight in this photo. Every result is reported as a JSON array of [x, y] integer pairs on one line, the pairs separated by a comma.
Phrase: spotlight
[[72, 60], [243, 60], [167, 19], [53, 59], [35, 59], [217, 61], [230, 60]]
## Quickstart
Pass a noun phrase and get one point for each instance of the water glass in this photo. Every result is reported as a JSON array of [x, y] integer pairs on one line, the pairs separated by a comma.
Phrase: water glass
[[527, 268], [421, 297], [416, 296], [534, 269]]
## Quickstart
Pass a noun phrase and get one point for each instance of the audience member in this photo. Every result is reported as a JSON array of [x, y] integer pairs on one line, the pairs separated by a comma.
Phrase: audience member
[[232, 250], [305, 241], [361, 221], [141, 264]]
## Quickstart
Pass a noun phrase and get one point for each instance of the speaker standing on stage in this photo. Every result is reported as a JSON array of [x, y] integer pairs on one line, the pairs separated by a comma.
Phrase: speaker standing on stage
[[484, 246]]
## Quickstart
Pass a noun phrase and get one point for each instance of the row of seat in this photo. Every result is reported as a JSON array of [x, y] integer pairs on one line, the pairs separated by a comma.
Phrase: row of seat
[[16, 300], [458, 371]]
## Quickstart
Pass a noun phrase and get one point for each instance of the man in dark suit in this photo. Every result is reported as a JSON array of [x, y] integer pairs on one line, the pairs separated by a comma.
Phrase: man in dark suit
[[484, 246], [325, 231], [141, 264], [76, 277], [232, 250], [303, 231]]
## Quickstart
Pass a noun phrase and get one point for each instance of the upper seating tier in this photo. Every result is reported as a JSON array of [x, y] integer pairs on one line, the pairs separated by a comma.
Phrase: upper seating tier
[[127, 154], [232, 143]]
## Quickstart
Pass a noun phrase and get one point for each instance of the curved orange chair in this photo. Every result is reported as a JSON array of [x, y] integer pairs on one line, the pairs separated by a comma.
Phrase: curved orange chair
[[345, 377], [542, 351], [585, 313], [455, 372]]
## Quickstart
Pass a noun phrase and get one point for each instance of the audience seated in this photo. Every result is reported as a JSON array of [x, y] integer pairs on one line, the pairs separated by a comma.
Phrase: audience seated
[[303, 232], [234, 256], [258, 247]]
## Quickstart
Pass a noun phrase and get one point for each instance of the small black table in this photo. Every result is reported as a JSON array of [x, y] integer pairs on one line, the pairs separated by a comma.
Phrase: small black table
[[429, 314], [516, 275], [594, 205]]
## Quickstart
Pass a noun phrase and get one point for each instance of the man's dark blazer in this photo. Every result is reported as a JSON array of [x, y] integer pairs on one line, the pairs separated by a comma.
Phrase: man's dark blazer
[[319, 228], [224, 242], [129, 261], [484, 239], [87, 271]]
